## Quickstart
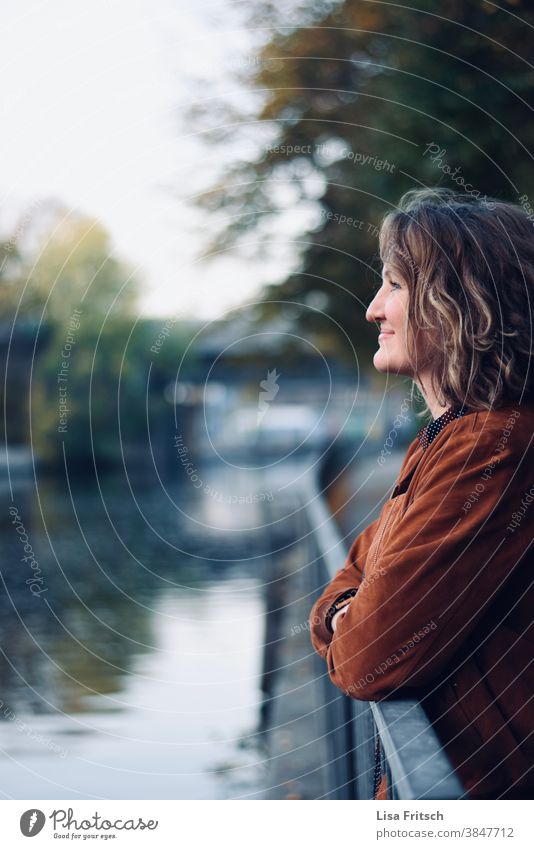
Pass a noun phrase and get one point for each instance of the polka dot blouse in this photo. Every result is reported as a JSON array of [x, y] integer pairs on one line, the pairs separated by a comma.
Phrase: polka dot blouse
[[430, 431]]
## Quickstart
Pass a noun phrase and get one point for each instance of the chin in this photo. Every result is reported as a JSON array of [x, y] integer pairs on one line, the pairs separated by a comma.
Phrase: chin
[[391, 365], [383, 363]]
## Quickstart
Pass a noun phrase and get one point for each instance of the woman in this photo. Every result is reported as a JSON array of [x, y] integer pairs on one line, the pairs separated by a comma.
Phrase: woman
[[436, 594]]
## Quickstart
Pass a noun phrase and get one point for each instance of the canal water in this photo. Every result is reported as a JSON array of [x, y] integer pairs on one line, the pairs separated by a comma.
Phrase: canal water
[[131, 639], [132, 627]]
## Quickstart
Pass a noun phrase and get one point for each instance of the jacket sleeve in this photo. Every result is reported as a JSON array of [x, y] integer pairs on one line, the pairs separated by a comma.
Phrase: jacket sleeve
[[349, 576], [441, 565]]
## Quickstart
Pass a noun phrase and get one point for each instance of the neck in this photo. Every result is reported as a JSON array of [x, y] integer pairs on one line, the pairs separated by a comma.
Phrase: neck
[[425, 387]]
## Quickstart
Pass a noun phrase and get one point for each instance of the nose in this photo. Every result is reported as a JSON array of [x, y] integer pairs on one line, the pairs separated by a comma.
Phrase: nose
[[375, 310]]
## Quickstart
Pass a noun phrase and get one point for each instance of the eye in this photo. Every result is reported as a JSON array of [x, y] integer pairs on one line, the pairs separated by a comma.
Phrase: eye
[[395, 285]]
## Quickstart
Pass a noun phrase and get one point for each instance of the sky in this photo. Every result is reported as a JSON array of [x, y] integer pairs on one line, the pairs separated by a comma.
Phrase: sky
[[94, 114]]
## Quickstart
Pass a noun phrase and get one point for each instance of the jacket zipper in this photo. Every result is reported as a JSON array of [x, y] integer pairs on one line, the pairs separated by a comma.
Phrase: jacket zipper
[[382, 531], [391, 502]]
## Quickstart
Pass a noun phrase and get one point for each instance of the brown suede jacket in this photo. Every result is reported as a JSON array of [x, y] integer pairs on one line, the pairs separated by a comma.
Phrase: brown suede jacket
[[446, 606]]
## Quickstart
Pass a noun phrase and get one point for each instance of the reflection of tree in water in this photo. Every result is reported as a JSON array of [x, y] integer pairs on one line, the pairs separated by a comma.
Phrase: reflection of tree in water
[[101, 591]]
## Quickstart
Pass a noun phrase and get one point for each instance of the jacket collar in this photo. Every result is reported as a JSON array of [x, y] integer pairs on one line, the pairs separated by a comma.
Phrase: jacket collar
[[424, 437], [427, 433]]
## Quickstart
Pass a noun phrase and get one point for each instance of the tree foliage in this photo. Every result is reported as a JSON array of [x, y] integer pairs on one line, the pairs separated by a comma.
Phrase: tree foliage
[[76, 354], [360, 101]]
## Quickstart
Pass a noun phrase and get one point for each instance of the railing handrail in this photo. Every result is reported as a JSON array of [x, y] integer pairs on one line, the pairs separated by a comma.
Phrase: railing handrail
[[419, 768]]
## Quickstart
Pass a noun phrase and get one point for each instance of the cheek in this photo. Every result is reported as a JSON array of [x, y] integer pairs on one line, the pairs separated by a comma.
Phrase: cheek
[[396, 312], [425, 346]]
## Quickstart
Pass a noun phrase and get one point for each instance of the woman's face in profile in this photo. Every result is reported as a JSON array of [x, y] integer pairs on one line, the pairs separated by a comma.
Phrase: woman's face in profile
[[388, 309]]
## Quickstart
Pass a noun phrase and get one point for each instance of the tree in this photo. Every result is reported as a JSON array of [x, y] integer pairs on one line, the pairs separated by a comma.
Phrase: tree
[[360, 101], [74, 267], [88, 302]]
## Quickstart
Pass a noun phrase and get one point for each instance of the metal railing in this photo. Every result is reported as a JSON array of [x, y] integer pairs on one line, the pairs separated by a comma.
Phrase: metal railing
[[416, 765]]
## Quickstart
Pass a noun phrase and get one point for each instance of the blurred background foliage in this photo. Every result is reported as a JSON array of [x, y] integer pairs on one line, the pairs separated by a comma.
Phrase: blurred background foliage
[[63, 290], [334, 82]]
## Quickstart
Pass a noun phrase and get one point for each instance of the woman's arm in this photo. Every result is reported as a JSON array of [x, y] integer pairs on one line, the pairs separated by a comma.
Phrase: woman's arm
[[349, 576], [441, 566]]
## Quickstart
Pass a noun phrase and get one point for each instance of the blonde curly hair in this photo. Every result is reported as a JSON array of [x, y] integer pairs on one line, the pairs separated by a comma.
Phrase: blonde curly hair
[[469, 266]]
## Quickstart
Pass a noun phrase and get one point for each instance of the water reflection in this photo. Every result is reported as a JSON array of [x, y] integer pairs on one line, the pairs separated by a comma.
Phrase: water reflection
[[136, 674]]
